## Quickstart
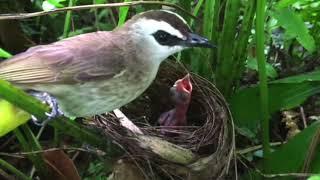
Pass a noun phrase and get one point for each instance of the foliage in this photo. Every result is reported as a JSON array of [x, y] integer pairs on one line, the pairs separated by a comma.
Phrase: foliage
[[96, 170], [295, 28], [11, 117], [271, 71], [293, 156], [4, 54], [284, 94], [288, 38]]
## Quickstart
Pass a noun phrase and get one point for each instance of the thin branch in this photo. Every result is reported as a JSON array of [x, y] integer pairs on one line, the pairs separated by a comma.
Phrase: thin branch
[[258, 147], [23, 154], [303, 116], [133, 3], [296, 175]]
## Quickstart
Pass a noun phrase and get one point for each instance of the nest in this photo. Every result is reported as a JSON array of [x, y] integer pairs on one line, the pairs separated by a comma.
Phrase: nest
[[201, 150]]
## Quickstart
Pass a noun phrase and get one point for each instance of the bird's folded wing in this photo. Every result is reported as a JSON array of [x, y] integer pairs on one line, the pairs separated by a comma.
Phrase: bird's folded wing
[[85, 58]]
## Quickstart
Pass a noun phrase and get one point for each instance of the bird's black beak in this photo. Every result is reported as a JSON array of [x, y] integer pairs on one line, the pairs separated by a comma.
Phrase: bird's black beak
[[194, 40]]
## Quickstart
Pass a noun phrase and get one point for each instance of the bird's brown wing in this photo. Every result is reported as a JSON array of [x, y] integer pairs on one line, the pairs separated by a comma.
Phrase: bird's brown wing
[[83, 58]]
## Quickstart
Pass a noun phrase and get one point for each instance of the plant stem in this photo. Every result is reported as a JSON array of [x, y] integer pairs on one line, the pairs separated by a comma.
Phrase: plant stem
[[67, 21], [29, 143], [12, 169], [227, 38], [240, 50], [196, 11], [263, 86]]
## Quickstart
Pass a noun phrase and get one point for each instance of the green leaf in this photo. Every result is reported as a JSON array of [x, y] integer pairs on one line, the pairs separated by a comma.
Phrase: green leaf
[[123, 12], [245, 103], [311, 76], [56, 3], [11, 117], [290, 158], [271, 71], [315, 166], [314, 177], [49, 5], [4, 54], [283, 94], [100, 1], [286, 3], [295, 27]]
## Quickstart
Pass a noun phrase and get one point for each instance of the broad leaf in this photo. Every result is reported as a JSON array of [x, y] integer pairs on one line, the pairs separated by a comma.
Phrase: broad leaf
[[11, 117], [295, 27], [314, 177], [311, 76], [252, 64], [290, 157], [315, 166], [283, 94], [294, 153]]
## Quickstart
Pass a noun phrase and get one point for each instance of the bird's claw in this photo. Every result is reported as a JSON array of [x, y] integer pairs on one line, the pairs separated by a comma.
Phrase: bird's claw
[[52, 102]]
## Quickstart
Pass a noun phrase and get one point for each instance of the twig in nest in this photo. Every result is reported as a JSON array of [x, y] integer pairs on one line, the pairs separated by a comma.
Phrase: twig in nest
[[125, 122], [132, 3]]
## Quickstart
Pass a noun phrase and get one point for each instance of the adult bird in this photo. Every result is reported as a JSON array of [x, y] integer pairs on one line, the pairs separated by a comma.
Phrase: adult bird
[[98, 72], [181, 97]]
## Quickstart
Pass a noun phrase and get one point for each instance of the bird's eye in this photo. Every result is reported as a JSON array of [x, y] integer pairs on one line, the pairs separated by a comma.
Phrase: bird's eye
[[165, 38], [161, 36]]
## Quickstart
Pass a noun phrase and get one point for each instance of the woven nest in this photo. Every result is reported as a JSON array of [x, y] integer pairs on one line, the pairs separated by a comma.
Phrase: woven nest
[[201, 150]]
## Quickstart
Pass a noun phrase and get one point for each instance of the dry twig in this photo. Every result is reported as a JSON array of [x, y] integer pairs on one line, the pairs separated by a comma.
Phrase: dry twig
[[73, 8]]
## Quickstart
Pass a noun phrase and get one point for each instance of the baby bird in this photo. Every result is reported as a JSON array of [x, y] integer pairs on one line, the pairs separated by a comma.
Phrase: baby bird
[[180, 96]]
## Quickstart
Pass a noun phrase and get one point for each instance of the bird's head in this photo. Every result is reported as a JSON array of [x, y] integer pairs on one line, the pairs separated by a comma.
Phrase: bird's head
[[161, 33], [181, 91]]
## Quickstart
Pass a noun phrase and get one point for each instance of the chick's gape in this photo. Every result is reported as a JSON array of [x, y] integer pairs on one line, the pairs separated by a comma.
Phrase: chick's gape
[[177, 117], [98, 72]]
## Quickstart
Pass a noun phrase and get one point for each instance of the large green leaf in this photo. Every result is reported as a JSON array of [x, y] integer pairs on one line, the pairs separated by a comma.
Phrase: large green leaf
[[311, 76], [314, 177], [315, 168], [291, 157], [295, 27], [283, 94]]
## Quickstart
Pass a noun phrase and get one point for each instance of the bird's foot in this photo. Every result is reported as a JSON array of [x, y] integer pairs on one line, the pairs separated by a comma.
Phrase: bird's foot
[[49, 100]]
